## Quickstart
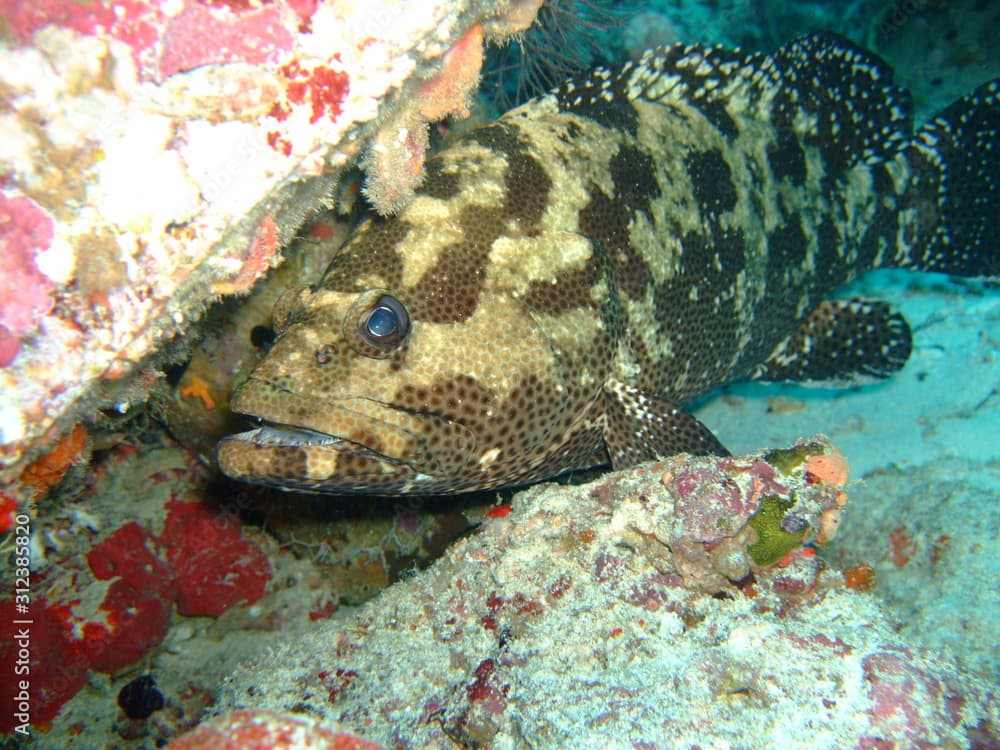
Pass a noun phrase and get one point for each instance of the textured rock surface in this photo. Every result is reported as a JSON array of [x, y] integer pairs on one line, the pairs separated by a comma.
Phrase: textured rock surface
[[609, 613], [930, 549]]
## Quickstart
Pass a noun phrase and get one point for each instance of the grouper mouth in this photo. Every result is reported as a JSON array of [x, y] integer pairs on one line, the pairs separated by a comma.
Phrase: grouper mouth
[[270, 433], [299, 458], [352, 445]]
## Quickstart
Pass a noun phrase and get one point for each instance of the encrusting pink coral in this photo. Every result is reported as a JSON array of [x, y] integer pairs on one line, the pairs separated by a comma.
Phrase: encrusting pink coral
[[395, 161], [266, 730], [25, 292], [185, 36], [202, 35], [261, 254], [831, 468]]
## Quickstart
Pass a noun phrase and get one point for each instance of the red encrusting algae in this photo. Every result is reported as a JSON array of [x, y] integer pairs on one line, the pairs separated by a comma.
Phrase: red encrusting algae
[[201, 561]]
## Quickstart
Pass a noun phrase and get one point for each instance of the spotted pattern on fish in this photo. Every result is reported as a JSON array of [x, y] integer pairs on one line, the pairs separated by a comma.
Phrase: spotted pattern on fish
[[567, 277]]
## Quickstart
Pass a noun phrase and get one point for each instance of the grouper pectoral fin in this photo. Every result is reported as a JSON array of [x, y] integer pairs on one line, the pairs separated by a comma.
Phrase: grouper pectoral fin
[[640, 427], [842, 343]]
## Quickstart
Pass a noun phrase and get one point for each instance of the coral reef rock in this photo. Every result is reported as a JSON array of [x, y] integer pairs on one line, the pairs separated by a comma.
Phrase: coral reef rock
[[677, 604]]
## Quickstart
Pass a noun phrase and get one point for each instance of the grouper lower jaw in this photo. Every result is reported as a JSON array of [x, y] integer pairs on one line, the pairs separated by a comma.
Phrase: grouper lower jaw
[[307, 461], [316, 442]]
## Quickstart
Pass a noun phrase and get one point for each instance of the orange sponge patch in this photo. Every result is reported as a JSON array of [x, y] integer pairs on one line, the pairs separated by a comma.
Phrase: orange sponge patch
[[831, 468]]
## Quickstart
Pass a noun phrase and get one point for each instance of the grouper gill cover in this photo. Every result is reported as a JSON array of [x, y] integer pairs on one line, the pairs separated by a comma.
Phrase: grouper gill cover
[[569, 276]]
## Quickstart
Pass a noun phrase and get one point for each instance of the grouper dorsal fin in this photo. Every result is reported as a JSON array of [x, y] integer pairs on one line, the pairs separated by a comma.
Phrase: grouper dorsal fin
[[860, 115], [842, 343], [819, 90], [640, 427]]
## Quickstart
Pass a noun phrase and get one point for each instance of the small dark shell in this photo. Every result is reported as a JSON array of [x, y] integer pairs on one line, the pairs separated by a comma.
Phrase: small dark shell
[[140, 697]]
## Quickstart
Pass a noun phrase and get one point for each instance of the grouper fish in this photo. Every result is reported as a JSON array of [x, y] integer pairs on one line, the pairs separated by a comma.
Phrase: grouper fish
[[567, 277]]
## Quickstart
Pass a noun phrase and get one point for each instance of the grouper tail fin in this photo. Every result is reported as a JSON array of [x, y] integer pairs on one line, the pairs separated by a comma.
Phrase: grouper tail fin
[[954, 167]]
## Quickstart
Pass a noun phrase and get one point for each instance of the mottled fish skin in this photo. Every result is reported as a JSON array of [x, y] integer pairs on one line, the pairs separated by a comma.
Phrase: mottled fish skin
[[569, 275]]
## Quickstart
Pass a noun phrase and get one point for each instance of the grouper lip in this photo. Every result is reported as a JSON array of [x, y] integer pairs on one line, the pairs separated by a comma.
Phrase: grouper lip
[[273, 433]]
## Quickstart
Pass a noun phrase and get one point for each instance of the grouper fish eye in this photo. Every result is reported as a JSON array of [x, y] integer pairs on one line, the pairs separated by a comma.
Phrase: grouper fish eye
[[386, 324]]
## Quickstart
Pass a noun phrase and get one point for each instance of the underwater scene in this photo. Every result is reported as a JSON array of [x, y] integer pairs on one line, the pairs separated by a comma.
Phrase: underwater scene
[[387, 374]]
